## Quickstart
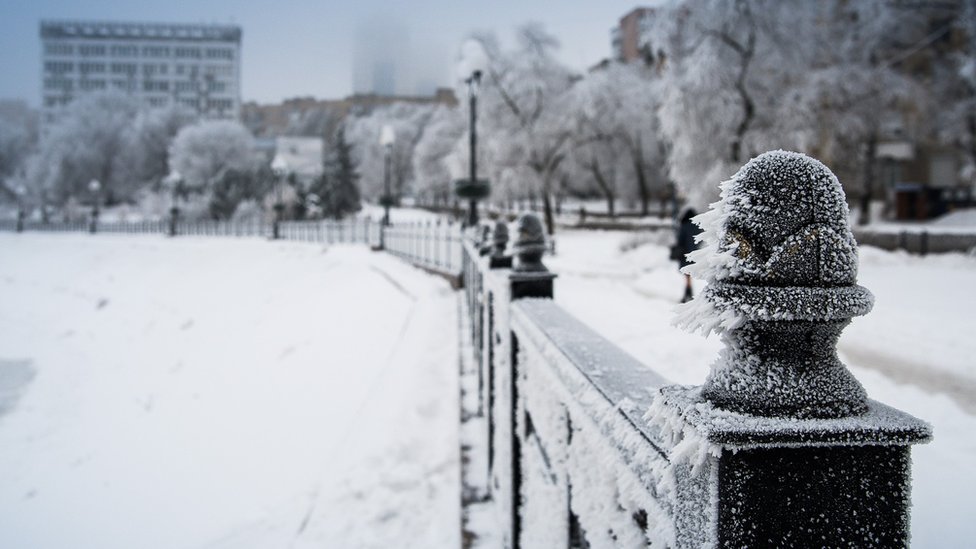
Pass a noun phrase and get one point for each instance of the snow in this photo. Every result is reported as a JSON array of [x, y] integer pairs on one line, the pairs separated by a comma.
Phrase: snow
[[959, 218], [913, 352], [185, 393]]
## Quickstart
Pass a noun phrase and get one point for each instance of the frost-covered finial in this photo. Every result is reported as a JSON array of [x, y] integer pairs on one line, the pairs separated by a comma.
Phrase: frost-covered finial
[[781, 265], [484, 244], [499, 238], [530, 244]]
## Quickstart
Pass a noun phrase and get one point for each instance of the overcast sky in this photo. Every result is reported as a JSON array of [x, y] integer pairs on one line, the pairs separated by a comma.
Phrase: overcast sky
[[301, 48]]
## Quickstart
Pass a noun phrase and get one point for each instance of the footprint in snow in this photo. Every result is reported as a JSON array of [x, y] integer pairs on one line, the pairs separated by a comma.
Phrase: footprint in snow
[[187, 325], [101, 303]]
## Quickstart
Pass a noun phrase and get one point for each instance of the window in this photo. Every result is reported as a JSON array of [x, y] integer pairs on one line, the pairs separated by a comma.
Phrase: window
[[192, 53], [220, 53], [124, 68], [125, 51], [91, 85], [87, 68], [91, 50], [63, 84], [184, 86], [58, 67], [155, 51], [54, 48], [155, 85]]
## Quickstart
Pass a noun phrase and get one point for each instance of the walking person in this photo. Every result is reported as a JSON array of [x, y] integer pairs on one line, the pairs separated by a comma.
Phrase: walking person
[[685, 244]]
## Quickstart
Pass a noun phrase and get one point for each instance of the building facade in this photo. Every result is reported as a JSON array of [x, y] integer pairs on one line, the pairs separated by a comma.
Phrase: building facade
[[628, 38], [196, 66]]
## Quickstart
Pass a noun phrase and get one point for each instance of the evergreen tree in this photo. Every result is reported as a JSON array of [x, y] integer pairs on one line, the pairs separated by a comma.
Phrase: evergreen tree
[[338, 187]]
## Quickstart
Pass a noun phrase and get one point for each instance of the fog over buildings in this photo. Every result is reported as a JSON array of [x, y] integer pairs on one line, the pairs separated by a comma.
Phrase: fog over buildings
[[391, 59]]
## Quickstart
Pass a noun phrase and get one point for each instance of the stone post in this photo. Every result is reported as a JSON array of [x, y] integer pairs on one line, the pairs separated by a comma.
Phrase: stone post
[[499, 241], [484, 244], [800, 455], [529, 277]]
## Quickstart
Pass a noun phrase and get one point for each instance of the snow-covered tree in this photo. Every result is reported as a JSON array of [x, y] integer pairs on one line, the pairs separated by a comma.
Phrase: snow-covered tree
[[145, 157], [729, 64], [18, 138], [201, 152], [436, 161], [615, 108], [523, 106], [86, 143], [363, 133]]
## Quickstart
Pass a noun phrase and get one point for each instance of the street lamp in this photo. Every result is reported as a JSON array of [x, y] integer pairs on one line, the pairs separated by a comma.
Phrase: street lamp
[[314, 205], [94, 186], [174, 182], [21, 191], [387, 138], [280, 169], [472, 188]]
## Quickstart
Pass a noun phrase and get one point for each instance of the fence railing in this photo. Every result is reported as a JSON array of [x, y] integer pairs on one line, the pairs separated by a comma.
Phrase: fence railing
[[435, 246], [570, 442], [348, 231]]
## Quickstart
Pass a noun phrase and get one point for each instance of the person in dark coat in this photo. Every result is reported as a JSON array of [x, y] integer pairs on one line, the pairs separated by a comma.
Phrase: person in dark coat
[[685, 244]]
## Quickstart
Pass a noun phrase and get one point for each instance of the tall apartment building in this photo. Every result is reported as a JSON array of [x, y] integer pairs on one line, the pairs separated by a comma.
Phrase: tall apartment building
[[628, 38], [197, 66]]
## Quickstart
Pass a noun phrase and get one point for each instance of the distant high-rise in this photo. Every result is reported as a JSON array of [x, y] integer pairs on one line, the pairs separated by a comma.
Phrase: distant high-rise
[[197, 66], [628, 37], [390, 60]]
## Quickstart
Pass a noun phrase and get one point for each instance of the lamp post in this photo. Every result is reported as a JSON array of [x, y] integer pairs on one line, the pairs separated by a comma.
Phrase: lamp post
[[280, 169], [21, 214], [314, 208], [387, 138], [473, 82], [471, 188], [94, 186], [173, 182]]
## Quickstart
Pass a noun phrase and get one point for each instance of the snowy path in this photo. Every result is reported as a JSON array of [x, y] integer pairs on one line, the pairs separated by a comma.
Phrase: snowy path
[[205, 393], [915, 351]]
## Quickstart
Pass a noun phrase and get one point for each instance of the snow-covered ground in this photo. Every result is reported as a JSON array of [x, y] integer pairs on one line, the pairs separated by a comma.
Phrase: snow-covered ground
[[915, 351], [219, 393]]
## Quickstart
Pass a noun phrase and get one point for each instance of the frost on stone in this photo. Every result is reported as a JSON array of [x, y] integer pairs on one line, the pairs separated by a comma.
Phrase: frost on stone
[[780, 264]]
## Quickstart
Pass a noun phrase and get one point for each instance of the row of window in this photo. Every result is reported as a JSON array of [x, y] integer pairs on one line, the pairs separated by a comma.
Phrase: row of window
[[67, 84], [200, 53], [209, 105], [150, 69], [97, 50]]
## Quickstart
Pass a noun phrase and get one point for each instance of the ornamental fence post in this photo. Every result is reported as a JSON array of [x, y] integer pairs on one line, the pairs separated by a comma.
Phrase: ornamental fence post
[[790, 449]]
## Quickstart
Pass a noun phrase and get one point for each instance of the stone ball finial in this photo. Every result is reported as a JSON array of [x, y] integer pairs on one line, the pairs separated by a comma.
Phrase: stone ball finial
[[499, 238], [780, 264], [530, 244]]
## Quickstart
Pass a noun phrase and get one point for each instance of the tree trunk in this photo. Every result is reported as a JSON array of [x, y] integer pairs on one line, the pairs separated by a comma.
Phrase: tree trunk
[[547, 210], [868, 184], [605, 187], [642, 188]]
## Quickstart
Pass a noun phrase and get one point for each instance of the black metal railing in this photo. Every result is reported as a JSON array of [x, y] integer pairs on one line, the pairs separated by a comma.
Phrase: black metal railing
[[571, 442]]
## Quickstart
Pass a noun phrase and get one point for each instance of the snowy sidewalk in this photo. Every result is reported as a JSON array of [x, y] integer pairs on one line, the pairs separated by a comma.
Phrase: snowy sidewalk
[[211, 393]]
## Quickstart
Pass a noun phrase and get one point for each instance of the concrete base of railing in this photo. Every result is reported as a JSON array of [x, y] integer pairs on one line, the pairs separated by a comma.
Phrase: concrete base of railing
[[796, 482]]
